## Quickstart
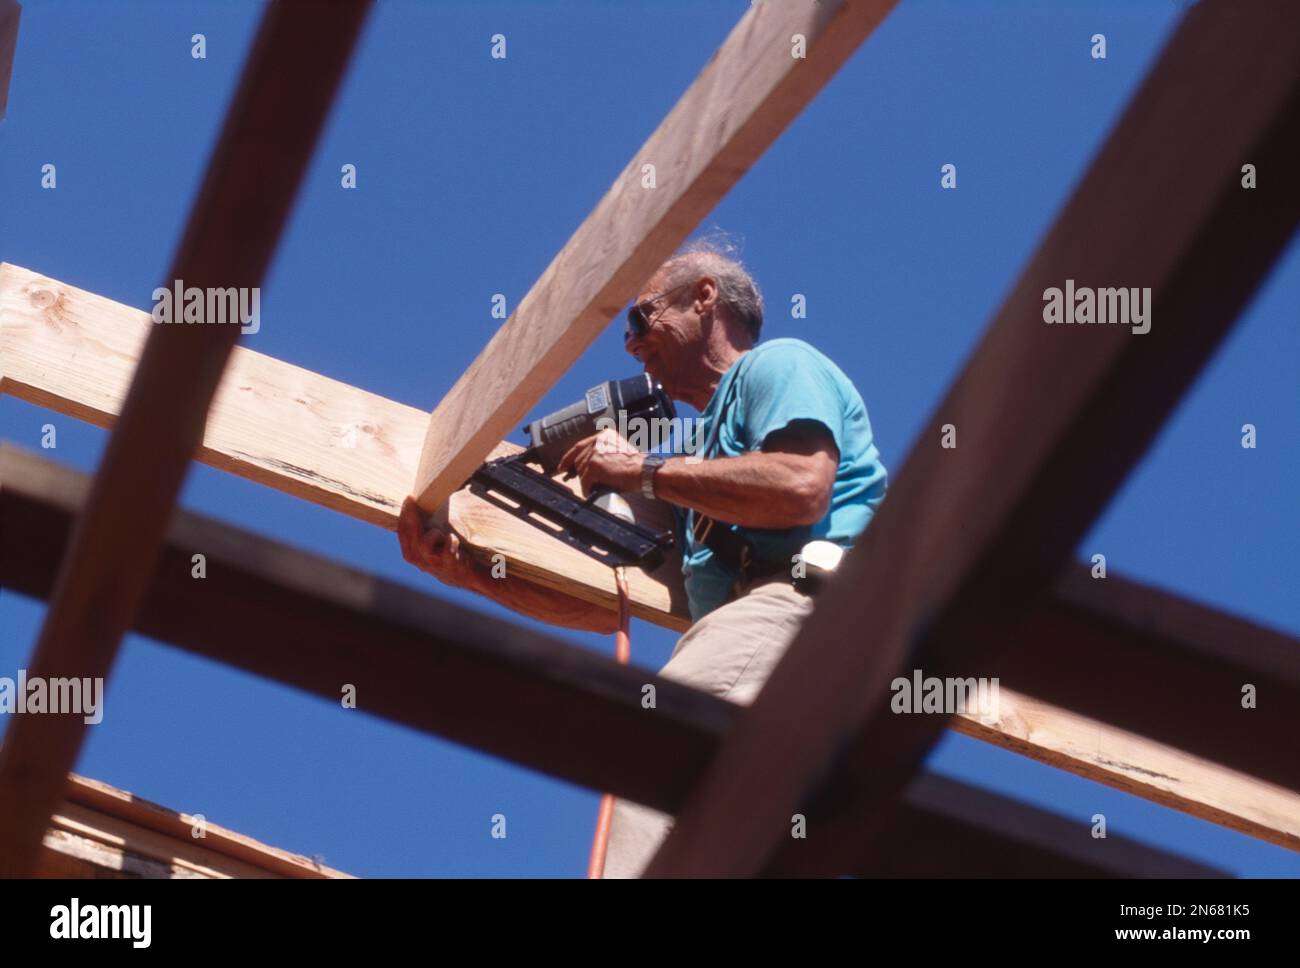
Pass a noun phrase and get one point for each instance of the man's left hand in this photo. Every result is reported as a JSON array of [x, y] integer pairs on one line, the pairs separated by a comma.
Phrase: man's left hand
[[604, 458]]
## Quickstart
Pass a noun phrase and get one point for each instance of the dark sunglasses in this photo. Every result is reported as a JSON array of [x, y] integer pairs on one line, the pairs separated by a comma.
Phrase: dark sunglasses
[[639, 319]]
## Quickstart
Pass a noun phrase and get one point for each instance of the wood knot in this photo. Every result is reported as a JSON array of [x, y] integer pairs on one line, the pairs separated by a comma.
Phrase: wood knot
[[52, 305], [44, 298]]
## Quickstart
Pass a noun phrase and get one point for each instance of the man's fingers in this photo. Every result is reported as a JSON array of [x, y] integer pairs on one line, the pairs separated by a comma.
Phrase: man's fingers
[[435, 548], [408, 527], [567, 459], [431, 545], [577, 456]]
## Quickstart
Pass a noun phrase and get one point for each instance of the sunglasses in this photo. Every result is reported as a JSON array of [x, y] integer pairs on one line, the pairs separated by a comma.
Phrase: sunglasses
[[639, 319]]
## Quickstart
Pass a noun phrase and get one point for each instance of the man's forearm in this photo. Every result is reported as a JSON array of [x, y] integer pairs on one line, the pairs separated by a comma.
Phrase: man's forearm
[[543, 604], [761, 489]]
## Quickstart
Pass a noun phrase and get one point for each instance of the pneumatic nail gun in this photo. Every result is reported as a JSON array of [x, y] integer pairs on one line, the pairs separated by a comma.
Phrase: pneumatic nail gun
[[600, 525]]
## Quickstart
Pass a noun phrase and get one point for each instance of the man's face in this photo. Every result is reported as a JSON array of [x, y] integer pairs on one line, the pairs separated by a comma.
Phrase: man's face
[[674, 330]]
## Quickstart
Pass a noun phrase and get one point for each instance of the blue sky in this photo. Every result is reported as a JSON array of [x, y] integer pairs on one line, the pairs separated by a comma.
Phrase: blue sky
[[472, 173]]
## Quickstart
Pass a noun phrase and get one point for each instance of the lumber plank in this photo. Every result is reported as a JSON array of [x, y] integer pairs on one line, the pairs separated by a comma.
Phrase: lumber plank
[[1149, 662], [297, 431], [104, 799], [970, 537], [129, 838], [744, 97], [1102, 752], [341, 447], [288, 83], [67, 854], [100, 830], [109, 829], [10, 14], [451, 672]]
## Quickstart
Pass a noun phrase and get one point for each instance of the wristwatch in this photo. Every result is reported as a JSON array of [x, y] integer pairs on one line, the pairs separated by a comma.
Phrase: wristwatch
[[651, 464]]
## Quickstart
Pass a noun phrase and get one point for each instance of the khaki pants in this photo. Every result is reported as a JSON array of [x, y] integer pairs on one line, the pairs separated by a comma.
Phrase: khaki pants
[[730, 653]]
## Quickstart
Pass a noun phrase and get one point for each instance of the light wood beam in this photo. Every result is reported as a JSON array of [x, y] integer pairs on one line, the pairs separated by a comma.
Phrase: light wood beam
[[96, 797], [742, 100], [294, 430], [101, 831], [344, 448]]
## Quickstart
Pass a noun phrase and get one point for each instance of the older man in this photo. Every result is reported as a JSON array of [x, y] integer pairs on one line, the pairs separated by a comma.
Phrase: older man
[[787, 458]]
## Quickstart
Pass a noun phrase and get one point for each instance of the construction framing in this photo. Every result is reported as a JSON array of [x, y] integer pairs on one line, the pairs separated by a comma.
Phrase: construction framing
[[965, 573]]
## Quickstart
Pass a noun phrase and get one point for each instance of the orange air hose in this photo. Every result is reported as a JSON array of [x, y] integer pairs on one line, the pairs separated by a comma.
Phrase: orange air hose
[[622, 653]]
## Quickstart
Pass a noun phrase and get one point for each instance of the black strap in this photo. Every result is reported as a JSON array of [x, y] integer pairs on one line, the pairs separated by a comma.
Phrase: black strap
[[728, 547]]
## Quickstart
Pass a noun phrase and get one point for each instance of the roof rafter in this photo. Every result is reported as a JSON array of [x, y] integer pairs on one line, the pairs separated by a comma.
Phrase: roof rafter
[[299, 56], [449, 671], [970, 535], [745, 96]]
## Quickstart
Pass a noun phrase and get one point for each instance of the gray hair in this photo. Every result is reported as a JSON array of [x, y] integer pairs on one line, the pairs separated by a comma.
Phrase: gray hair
[[714, 256]]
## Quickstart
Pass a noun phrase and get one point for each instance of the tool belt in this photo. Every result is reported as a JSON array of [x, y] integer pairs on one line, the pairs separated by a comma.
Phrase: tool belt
[[736, 553]]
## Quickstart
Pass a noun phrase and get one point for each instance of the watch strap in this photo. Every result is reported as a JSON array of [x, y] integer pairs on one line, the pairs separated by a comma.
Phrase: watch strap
[[649, 466]]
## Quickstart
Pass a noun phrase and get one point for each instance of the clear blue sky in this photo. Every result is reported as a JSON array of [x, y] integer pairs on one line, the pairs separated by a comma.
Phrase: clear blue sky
[[472, 173]]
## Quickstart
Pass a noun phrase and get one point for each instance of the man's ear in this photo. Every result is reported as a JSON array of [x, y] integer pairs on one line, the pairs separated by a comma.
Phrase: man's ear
[[706, 295]]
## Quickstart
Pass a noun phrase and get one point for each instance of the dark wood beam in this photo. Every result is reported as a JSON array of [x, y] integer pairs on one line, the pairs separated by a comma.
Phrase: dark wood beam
[[10, 13], [1050, 419], [946, 828], [315, 624], [1147, 661], [449, 671], [298, 59]]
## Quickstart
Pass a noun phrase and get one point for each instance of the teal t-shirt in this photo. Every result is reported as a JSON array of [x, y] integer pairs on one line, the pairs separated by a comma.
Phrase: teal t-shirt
[[773, 385]]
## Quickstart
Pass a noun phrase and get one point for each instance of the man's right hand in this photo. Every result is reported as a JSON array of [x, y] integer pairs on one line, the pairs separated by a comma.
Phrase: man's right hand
[[434, 550]]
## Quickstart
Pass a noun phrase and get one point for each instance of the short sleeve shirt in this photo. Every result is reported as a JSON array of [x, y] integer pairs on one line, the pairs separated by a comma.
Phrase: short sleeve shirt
[[772, 386]]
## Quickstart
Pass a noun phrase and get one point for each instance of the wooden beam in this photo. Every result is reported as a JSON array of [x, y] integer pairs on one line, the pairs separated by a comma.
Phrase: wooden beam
[[353, 451], [1148, 662], [67, 854], [947, 828], [294, 430], [315, 624], [1051, 419], [1132, 762], [742, 100], [10, 13], [452, 672], [84, 796], [298, 58], [952, 829], [101, 831], [474, 680]]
